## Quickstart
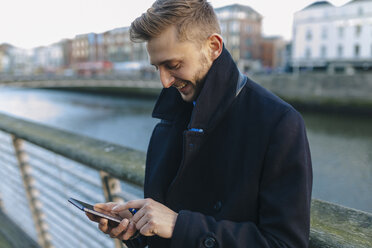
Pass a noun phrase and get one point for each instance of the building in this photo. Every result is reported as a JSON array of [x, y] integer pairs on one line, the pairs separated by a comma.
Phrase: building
[[326, 37], [273, 54], [5, 58], [119, 48], [241, 29]]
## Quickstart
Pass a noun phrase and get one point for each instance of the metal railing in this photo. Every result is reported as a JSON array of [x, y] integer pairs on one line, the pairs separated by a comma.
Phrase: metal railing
[[41, 167]]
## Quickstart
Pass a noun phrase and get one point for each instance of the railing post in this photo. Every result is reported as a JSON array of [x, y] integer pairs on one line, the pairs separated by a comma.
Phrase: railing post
[[111, 189], [32, 193]]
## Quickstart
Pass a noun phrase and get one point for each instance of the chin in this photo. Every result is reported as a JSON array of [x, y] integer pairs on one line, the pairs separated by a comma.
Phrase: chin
[[187, 98]]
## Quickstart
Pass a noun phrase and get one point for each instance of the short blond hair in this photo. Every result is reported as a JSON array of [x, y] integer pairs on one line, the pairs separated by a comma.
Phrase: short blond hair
[[195, 20]]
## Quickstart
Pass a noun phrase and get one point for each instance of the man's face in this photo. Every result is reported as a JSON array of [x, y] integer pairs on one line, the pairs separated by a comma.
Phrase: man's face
[[183, 65]]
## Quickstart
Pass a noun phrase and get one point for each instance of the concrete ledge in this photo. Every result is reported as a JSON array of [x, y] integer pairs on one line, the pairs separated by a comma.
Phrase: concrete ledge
[[333, 225]]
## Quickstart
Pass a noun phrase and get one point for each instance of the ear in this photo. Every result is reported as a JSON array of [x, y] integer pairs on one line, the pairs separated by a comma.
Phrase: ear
[[215, 45]]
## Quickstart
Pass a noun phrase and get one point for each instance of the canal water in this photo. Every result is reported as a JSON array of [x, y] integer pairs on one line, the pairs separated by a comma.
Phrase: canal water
[[341, 146]]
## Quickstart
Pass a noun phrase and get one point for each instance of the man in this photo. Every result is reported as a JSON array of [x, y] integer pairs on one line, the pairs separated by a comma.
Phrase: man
[[229, 163]]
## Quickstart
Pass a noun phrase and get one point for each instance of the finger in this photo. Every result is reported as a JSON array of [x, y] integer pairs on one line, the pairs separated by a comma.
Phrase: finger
[[115, 232], [131, 204], [139, 215], [130, 231], [103, 225], [149, 229], [105, 206], [92, 217]]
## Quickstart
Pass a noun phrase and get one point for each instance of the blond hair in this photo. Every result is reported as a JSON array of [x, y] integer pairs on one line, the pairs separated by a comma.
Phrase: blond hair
[[195, 20]]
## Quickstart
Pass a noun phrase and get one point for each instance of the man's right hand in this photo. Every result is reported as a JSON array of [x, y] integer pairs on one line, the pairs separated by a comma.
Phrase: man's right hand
[[124, 231]]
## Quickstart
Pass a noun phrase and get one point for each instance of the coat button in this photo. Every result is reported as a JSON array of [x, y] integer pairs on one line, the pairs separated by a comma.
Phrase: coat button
[[209, 242], [217, 207]]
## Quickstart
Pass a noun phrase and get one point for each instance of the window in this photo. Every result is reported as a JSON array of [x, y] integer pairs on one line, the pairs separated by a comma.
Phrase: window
[[356, 50], [235, 27], [340, 32], [360, 11], [223, 27], [309, 35], [358, 30], [324, 33], [308, 53], [340, 51], [323, 52]]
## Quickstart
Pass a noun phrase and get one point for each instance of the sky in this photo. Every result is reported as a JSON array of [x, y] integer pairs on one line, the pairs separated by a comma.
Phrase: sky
[[31, 23]]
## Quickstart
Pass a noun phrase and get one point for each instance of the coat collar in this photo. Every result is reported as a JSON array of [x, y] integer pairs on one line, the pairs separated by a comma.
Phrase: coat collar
[[217, 94]]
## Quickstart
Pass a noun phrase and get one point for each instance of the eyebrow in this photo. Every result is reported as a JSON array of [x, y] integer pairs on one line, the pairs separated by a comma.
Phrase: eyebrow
[[166, 61]]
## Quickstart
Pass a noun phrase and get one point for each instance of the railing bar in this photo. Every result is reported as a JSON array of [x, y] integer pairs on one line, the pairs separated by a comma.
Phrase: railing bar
[[14, 185], [88, 223], [24, 220], [7, 161], [64, 242], [75, 190], [11, 189], [83, 234], [3, 138], [66, 212], [56, 240], [56, 221], [88, 196], [12, 174], [44, 171], [64, 233], [69, 172], [4, 149]]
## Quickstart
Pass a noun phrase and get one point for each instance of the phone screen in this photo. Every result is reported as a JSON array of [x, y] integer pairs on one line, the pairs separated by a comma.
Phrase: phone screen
[[113, 218]]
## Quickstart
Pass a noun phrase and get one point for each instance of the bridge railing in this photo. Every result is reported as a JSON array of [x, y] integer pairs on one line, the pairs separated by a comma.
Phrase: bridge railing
[[41, 167]]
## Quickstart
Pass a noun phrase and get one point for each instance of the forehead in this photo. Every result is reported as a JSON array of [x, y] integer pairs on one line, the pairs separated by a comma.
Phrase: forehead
[[167, 47]]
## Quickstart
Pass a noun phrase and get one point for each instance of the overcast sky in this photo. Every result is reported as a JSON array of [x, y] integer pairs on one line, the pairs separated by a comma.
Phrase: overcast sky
[[31, 23]]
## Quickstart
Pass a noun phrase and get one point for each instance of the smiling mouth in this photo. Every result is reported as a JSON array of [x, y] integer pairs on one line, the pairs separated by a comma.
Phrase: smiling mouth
[[180, 86]]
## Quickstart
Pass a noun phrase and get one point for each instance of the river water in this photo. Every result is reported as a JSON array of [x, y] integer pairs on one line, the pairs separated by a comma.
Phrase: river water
[[341, 146]]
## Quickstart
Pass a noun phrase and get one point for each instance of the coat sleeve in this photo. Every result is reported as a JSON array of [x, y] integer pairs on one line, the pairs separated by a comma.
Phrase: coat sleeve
[[284, 199]]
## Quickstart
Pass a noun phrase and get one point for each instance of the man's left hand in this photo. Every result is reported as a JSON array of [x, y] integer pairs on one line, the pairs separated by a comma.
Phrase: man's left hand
[[152, 218]]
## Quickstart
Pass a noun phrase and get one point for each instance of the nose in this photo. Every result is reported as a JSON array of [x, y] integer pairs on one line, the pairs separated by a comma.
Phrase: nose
[[166, 78]]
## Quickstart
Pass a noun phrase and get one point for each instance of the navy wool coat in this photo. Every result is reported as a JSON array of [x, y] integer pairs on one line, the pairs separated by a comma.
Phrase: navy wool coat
[[236, 167]]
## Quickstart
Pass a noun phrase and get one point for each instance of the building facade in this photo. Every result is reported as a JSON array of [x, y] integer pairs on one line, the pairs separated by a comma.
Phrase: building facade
[[241, 28], [326, 37], [273, 54]]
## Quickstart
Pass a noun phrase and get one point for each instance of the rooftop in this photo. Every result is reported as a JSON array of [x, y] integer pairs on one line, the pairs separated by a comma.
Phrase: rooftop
[[238, 7], [319, 4]]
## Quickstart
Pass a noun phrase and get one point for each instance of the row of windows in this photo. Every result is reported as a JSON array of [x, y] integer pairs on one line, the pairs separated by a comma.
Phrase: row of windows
[[236, 27], [340, 51], [340, 32]]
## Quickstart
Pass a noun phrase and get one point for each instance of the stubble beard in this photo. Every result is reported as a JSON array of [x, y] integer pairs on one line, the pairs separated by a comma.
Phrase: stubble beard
[[199, 77]]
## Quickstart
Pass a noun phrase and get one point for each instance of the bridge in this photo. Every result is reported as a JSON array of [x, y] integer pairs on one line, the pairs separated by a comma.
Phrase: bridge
[[41, 167]]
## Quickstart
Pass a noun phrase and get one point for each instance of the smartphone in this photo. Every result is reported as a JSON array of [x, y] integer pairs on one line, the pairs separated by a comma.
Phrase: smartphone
[[113, 219]]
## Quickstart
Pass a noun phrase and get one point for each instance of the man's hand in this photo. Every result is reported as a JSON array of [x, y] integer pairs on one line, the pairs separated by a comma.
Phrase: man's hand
[[119, 231], [152, 218]]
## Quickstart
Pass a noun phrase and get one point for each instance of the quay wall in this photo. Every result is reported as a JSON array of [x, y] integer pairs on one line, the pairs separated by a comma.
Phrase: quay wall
[[310, 91]]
